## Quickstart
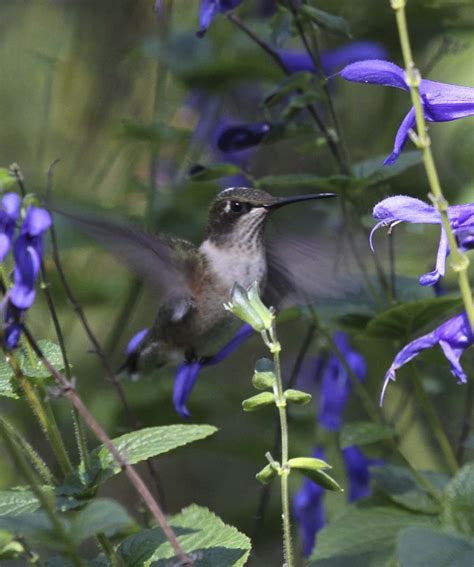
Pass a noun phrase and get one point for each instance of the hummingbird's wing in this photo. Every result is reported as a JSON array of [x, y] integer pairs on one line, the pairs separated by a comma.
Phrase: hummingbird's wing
[[301, 269], [161, 261]]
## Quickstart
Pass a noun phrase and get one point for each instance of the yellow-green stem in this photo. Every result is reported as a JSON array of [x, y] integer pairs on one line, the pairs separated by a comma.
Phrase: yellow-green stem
[[275, 348], [459, 262]]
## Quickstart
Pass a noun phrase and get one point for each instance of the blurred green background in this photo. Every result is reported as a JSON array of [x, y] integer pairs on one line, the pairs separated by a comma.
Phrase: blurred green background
[[110, 91]]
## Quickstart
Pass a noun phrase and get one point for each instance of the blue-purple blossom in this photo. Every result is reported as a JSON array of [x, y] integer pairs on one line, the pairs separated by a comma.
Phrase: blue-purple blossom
[[9, 212], [336, 384], [28, 252], [441, 102], [453, 336], [333, 59], [358, 473], [308, 509], [242, 136], [187, 373], [135, 342], [401, 208], [209, 9]]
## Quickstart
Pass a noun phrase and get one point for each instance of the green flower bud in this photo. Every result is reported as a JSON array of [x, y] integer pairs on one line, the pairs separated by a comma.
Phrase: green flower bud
[[312, 468], [267, 474], [259, 401], [264, 377], [241, 307], [297, 397], [265, 314]]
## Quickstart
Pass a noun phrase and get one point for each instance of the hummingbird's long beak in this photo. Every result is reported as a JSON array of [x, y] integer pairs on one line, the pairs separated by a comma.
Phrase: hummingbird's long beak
[[282, 201]]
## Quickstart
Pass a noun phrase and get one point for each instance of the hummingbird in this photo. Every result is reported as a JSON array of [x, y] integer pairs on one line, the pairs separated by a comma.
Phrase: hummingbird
[[194, 282]]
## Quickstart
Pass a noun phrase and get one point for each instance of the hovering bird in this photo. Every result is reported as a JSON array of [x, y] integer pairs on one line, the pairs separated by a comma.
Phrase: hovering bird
[[195, 282]]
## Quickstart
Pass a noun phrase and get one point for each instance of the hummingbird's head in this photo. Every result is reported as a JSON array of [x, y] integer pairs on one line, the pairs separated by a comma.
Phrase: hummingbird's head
[[239, 213]]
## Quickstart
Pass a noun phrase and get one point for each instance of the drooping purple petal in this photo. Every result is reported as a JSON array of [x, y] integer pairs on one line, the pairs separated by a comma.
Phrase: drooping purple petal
[[242, 335], [336, 385], [308, 509], [9, 212], [358, 473], [136, 340], [375, 72], [453, 336], [401, 137], [431, 278], [209, 9], [186, 376], [27, 266]]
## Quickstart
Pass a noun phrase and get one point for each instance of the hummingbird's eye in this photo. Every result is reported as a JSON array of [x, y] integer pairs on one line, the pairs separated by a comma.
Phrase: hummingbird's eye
[[239, 208]]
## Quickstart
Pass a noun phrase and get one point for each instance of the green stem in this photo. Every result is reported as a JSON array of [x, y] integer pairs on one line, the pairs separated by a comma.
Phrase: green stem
[[280, 401], [109, 551], [434, 422], [44, 415], [47, 503], [459, 261]]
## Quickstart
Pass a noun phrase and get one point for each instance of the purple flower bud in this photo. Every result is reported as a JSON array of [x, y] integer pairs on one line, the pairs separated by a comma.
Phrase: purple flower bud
[[9, 212], [308, 509], [441, 101], [187, 373], [135, 341], [453, 336], [336, 384], [357, 467]]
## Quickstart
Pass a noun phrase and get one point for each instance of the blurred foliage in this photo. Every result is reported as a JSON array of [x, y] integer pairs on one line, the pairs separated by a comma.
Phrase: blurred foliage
[[118, 97]]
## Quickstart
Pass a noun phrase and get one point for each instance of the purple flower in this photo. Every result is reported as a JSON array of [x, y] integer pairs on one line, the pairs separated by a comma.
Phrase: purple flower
[[9, 212], [401, 208], [332, 60], [336, 384], [357, 467], [453, 336], [308, 509], [442, 102], [136, 341], [210, 8], [27, 252], [187, 373], [242, 136]]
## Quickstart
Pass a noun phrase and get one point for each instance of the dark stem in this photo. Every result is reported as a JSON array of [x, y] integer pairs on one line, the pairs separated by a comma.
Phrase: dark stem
[[391, 257], [467, 419], [68, 390]]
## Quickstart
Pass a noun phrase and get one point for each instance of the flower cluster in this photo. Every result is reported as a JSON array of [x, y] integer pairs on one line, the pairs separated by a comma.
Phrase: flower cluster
[[442, 102], [27, 255], [335, 389]]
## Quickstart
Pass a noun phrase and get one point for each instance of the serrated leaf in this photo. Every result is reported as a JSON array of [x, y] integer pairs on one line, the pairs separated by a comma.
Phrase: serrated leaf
[[16, 502], [143, 444], [201, 534], [32, 366], [458, 501], [402, 321], [418, 547], [6, 375], [100, 515], [364, 531], [402, 488], [329, 22], [375, 172], [215, 171], [363, 433]]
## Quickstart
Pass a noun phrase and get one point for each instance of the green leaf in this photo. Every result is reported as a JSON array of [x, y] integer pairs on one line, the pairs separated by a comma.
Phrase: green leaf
[[375, 172], [305, 181], [32, 366], [402, 488], [6, 179], [419, 547], [320, 477], [329, 22], [215, 171], [143, 444], [364, 536], [404, 320], [155, 134], [258, 401], [281, 25], [17, 501], [6, 387], [201, 534], [458, 501], [101, 515], [363, 433]]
